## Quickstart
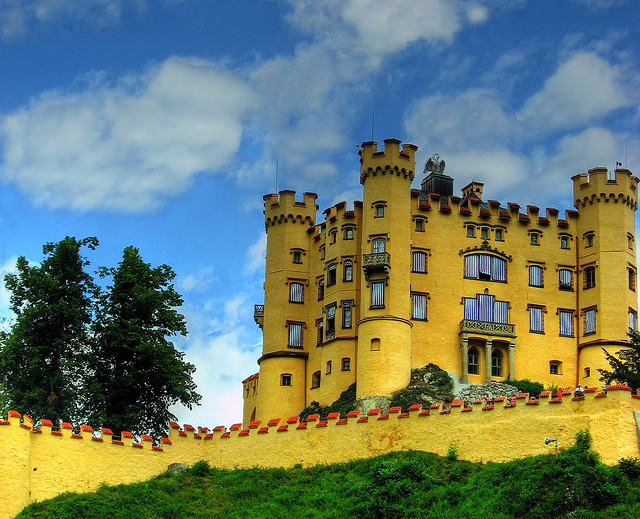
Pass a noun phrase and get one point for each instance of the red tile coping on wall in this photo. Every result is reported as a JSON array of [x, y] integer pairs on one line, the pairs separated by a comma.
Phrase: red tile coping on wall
[[197, 436], [66, 425], [14, 414], [533, 401], [590, 389], [182, 433], [457, 403], [236, 427], [373, 412], [46, 422], [602, 395], [56, 433], [383, 417], [467, 409], [342, 421], [445, 411], [487, 407], [26, 426], [244, 432], [282, 428], [415, 407], [263, 430], [394, 410], [494, 203], [165, 441], [86, 428], [77, 436], [301, 425], [520, 396], [619, 387], [313, 417], [156, 448], [95, 439], [189, 428], [333, 416], [37, 431], [353, 414], [465, 211], [575, 398], [5, 422], [204, 430], [273, 422], [293, 419], [114, 442], [444, 208], [225, 435], [174, 425], [544, 394], [403, 415], [566, 392], [137, 445], [509, 405], [104, 430], [500, 398], [209, 436], [426, 412], [253, 425], [126, 434], [478, 401], [146, 438], [219, 428], [322, 423], [436, 405], [363, 419], [555, 400]]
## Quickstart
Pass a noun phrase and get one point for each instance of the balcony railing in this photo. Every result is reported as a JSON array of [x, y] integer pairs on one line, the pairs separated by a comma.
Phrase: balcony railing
[[376, 262], [488, 328], [258, 314]]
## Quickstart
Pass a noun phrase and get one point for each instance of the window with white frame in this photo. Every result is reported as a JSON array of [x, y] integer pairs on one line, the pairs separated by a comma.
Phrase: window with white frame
[[419, 262], [295, 334], [378, 245], [536, 319], [348, 233], [419, 306], [377, 294], [485, 267], [589, 321], [346, 364], [633, 319], [347, 308], [535, 276], [566, 279], [555, 367], [566, 322], [296, 292], [347, 270]]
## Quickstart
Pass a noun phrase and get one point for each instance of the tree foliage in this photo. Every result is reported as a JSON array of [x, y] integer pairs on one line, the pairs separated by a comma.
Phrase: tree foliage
[[102, 356], [625, 364]]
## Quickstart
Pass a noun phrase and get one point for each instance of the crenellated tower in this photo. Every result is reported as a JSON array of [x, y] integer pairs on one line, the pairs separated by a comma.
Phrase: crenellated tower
[[606, 288], [285, 348], [384, 328]]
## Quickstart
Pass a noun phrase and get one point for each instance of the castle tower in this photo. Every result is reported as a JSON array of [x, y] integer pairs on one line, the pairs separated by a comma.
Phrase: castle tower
[[285, 349], [384, 328], [606, 292]]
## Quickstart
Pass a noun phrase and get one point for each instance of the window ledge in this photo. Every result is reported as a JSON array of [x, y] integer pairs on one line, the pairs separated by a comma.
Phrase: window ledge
[[539, 332], [536, 286], [573, 336], [376, 307]]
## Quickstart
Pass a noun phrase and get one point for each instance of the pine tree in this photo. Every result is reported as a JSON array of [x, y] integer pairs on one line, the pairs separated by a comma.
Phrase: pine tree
[[625, 364]]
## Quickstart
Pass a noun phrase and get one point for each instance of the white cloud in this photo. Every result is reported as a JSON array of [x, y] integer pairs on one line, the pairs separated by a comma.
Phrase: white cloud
[[126, 147], [603, 4], [256, 255], [199, 281], [582, 90]]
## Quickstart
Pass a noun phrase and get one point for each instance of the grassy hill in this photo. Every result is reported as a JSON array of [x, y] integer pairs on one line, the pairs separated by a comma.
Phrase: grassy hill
[[406, 484]]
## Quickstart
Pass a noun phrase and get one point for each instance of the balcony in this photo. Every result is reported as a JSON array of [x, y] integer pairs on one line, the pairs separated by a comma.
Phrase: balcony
[[487, 328], [258, 314], [376, 262]]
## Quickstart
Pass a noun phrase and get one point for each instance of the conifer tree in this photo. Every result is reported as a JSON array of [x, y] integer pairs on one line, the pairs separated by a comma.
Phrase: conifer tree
[[625, 364]]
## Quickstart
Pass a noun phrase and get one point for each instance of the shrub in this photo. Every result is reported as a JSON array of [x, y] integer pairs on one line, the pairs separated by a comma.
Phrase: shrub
[[526, 386], [630, 467], [452, 453], [201, 469]]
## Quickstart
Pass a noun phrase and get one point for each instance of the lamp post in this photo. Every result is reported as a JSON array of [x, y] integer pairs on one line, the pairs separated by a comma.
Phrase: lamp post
[[548, 440]]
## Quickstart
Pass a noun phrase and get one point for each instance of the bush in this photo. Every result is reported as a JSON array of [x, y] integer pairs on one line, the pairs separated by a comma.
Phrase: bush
[[201, 469], [526, 386], [630, 467]]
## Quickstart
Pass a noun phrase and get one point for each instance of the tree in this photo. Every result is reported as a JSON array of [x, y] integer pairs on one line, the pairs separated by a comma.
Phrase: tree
[[42, 355], [139, 373], [625, 364]]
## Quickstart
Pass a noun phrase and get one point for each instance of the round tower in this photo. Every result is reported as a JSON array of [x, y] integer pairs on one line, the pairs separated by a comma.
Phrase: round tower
[[384, 329], [285, 344], [606, 292]]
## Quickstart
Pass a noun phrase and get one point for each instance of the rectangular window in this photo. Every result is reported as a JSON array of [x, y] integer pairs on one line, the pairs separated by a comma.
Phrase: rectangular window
[[420, 261], [419, 226], [535, 239], [285, 379], [566, 323], [348, 271], [296, 293], [333, 236], [419, 306], [486, 308], [484, 233], [331, 274], [589, 277], [633, 319], [590, 321], [499, 236], [535, 276], [566, 279], [564, 243], [377, 245], [295, 335], [377, 294], [554, 368], [348, 234], [379, 211], [346, 364], [632, 279], [471, 232], [320, 326], [536, 322], [331, 321], [485, 267], [346, 313], [321, 290]]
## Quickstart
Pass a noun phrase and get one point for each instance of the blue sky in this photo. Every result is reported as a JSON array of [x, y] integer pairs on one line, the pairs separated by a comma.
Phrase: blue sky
[[159, 124]]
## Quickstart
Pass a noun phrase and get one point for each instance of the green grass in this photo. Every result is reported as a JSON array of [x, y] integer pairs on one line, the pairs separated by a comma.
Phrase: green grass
[[405, 484]]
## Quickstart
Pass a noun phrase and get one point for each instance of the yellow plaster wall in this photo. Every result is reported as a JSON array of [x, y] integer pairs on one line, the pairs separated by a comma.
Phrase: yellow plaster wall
[[38, 466]]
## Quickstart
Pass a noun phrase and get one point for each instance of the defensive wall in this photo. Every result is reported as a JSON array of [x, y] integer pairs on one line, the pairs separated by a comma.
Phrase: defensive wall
[[40, 463]]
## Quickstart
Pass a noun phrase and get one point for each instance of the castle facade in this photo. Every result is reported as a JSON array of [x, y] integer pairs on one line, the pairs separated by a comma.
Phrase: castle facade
[[408, 277]]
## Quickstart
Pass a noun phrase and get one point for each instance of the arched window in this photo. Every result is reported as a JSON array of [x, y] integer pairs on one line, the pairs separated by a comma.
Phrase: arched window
[[296, 293], [315, 380], [331, 274], [485, 267], [321, 290], [496, 363], [377, 245], [473, 364], [329, 366], [348, 270]]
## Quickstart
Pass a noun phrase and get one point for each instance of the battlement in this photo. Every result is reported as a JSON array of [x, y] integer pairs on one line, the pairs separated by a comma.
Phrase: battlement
[[599, 186], [283, 207], [35, 457], [389, 161]]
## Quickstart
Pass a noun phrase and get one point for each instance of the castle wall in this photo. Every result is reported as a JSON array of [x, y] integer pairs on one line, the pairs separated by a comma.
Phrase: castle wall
[[41, 465]]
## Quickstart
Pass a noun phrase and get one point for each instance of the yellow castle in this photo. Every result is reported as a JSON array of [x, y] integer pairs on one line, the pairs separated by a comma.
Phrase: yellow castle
[[408, 277]]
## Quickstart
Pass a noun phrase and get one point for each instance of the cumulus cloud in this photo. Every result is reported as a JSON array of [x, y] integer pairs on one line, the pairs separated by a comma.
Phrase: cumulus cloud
[[256, 255], [126, 146], [584, 88]]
